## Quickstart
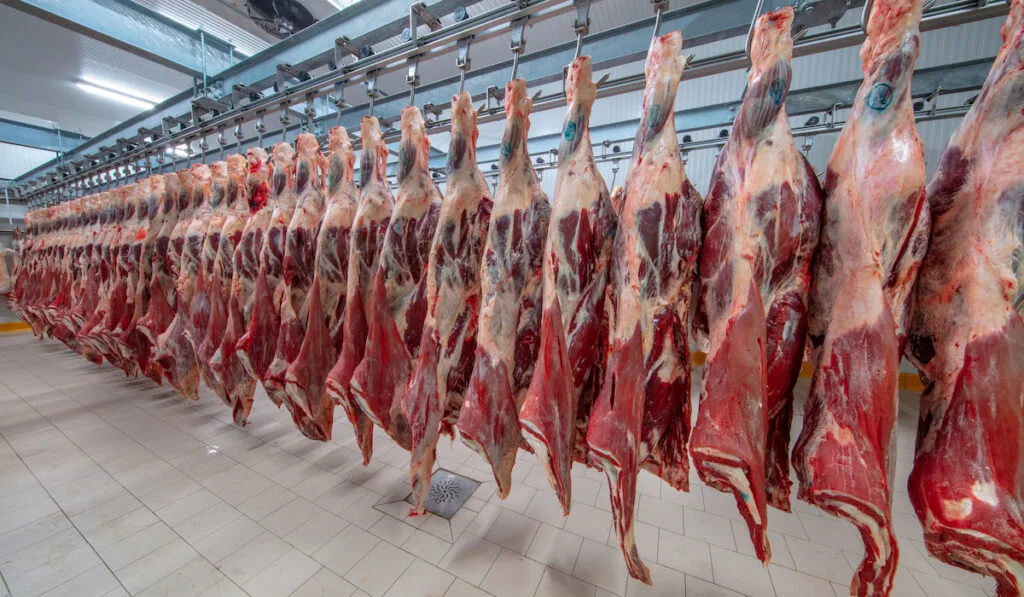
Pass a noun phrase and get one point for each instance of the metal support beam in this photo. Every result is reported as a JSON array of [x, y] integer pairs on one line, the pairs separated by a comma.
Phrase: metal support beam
[[30, 135], [362, 23], [813, 100], [134, 28]]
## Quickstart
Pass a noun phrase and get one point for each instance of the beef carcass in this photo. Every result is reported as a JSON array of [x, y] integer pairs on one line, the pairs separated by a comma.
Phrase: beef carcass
[[873, 238], [365, 242], [397, 300], [161, 202], [307, 376], [511, 290], [170, 243], [642, 415], [128, 262], [238, 385], [761, 218], [221, 270], [174, 350], [112, 223], [967, 336], [256, 347], [299, 269], [574, 327], [445, 358]]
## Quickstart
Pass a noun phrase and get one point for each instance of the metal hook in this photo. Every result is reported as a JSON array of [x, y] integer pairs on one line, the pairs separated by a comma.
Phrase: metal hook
[[865, 15], [260, 129], [285, 121], [412, 77], [462, 62], [371, 89], [203, 146], [753, 25], [581, 26], [518, 44], [659, 9], [310, 111], [339, 100]]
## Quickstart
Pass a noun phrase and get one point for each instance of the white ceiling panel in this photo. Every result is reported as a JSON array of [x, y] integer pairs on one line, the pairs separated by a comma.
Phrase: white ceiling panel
[[15, 160]]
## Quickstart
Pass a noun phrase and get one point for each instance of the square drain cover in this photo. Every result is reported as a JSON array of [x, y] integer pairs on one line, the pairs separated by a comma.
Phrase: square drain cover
[[448, 492]]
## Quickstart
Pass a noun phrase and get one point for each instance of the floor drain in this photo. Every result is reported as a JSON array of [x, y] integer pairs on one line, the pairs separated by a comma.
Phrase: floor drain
[[448, 492]]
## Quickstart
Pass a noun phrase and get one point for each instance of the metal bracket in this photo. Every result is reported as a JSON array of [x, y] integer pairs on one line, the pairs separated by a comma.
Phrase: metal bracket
[[310, 110], [151, 134], [343, 47], [433, 109], [581, 26], [371, 88], [240, 92], [285, 120], [418, 13], [260, 128], [239, 134], [284, 73]]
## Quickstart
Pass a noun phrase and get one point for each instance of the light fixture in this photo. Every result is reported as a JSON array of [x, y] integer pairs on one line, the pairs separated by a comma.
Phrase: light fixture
[[340, 4], [114, 94]]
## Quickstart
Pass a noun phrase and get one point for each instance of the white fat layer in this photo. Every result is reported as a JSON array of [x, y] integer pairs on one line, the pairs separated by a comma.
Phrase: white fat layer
[[985, 492], [734, 476], [957, 509]]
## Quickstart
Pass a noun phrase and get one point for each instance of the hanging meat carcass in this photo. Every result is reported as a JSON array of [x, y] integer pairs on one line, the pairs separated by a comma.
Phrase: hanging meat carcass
[[170, 243], [116, 214], [299, 268], [174, 352], [218, 266], [366, 239], [448, 342], [306, 378], [238, 385], [511, 290], [128, 262], [256, 347], [397, 301], [574, 326], [967, 335], [874, 236], [642, 415], [161, 203], [761, 218]]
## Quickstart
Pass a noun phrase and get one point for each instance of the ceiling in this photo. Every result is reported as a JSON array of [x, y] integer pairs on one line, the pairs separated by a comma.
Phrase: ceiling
[[43, 61]]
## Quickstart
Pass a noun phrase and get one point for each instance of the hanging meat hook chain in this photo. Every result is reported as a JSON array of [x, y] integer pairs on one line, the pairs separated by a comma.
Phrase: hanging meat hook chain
[[518, 44], [462, 61], [753, 23], [659, 10]]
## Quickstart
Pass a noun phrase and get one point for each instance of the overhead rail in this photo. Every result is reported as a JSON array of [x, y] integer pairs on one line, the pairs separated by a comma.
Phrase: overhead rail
[[706, 21]]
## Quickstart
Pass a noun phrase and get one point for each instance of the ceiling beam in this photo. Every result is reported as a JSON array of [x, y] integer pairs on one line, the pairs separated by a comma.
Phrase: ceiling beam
[[136, 29], [39, 137]]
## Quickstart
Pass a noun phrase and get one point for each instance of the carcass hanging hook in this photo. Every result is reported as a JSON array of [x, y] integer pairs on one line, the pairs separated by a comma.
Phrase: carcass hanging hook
[[865, 15], [462, 62], [581, 26], [518, 44], [260, 129], [371, 89], [659, 9], [221, 141], [310, 111], [339, 100], [753, 24], [285, 121], [412, 77]]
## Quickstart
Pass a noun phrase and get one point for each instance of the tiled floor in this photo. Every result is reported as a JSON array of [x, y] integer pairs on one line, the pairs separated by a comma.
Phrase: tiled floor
[[110, 486]]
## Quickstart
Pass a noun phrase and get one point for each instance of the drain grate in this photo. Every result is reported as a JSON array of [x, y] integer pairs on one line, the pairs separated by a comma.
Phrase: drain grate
[[448, 492]]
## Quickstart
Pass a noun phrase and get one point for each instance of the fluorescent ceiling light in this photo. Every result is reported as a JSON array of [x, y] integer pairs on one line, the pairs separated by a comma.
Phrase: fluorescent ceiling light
[[181, 151], [115, 94], [340, 4]]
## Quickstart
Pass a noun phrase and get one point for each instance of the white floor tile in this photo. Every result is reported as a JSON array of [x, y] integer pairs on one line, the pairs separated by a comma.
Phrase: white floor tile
[[819, 560], [461, 588], [421, 578], [513, 531], [188, 581], [512, 575], [602, 566], [557, 584], [709, 528], [285, 575], [96, 581], [379, 569], [685, 555], [325, 584], [345, 549], [470, 558], [555, 548], [589, 522], [156, 565], [228, 539], [252, 558], [426, 546], [316, 532], [667, 583]]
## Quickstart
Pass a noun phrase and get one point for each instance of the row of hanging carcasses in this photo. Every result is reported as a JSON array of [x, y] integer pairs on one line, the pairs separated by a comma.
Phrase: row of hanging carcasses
[[562, 328]]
